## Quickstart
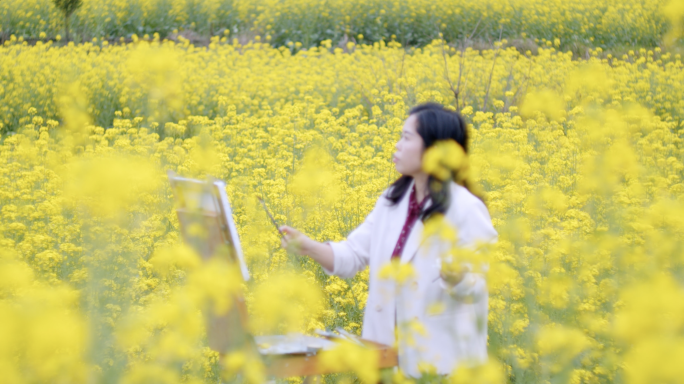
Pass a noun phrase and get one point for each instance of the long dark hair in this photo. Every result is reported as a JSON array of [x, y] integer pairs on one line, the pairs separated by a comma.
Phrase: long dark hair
[[434, 123]]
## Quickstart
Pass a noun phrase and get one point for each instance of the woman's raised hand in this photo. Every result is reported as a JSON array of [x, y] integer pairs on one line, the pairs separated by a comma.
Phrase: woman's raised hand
[[300, 244], [294, 241]]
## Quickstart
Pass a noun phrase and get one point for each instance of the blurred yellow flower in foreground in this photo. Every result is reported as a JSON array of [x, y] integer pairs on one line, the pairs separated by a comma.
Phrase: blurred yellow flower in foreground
[[673, 11], [181, 256], [397, 271], [348, 356], [560, 344], [107, 185], [446, 160], [315, 182], [286, 302], [489, 373], [43, 334], [248, 364]]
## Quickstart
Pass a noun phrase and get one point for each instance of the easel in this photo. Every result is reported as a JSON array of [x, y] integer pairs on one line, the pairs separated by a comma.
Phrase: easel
[[206, 224]]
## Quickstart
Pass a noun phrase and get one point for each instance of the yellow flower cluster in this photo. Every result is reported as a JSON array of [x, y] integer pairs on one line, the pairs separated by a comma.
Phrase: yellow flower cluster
[[580, 162], [309, 22]]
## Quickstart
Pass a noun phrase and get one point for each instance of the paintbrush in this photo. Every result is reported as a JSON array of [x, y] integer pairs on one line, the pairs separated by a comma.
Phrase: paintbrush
[[270, 216]]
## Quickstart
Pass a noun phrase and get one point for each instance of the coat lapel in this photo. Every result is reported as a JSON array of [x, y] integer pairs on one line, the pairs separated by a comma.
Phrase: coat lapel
[[413, 242], [396, 218], [415, 238]]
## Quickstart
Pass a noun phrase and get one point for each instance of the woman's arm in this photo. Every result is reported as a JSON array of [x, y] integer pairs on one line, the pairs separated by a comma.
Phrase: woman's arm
[[297, 242], [344, 258]]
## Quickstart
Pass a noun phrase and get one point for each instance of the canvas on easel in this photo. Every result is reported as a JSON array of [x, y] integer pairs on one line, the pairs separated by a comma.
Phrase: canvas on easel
[[204, 206], [207, 225]]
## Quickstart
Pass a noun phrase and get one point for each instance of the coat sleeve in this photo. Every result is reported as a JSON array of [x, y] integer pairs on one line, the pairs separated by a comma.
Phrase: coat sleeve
[[474, 226], [353, 254]]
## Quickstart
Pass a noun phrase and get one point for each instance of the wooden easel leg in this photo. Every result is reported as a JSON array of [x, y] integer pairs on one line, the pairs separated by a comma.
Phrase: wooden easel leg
[[313, 379]]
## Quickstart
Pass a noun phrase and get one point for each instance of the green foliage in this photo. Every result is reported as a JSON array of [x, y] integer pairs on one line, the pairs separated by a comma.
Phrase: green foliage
[[68, 6], [576, 23]]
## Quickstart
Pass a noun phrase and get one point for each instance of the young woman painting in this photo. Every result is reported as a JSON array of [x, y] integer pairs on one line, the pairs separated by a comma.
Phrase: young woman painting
[[393, 230]]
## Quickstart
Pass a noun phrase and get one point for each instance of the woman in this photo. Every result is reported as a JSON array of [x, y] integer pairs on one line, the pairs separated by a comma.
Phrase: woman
[[457, 332]]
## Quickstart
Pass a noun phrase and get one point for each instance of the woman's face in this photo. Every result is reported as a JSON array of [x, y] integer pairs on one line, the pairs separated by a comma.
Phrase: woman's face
[[408, 159]]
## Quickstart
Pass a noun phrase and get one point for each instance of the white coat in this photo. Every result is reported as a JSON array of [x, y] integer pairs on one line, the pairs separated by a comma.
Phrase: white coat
[[458, 334]]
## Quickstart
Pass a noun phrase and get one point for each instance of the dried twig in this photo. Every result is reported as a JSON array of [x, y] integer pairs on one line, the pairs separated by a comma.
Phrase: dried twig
[[457, 91], [475, 29], [401, 69], [491, 73]]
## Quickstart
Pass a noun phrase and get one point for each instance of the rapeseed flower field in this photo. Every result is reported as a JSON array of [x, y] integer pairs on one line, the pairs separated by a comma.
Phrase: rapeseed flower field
[[580, 163]]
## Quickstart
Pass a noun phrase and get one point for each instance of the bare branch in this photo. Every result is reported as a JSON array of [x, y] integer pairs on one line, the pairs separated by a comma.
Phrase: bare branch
[[455, 91], [475, 29], [491, 73]]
